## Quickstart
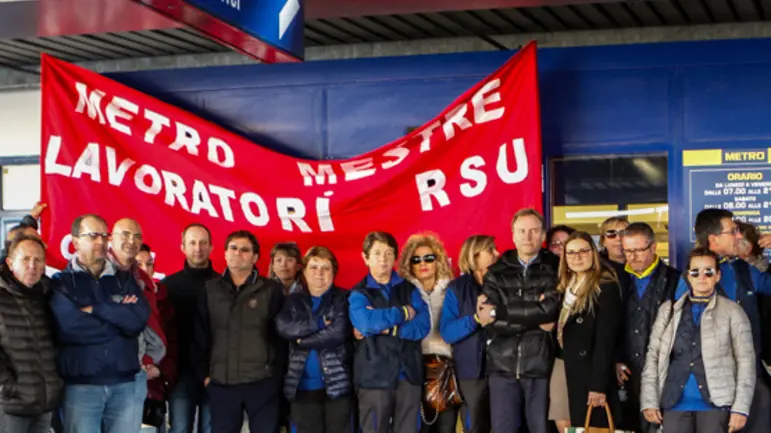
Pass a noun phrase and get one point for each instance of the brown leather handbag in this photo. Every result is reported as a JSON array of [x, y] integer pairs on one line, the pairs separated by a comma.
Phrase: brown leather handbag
[[441, 391]]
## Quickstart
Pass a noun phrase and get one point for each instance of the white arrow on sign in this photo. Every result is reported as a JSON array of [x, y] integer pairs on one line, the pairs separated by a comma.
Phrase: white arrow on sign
[[287, 15]]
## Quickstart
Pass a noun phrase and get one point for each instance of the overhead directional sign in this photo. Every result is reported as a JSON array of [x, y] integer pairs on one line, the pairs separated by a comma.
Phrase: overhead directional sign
[[270, 30]]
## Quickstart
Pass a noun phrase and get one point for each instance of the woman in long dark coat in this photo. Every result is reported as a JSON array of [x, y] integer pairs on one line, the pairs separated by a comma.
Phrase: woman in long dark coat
[[587, 328]]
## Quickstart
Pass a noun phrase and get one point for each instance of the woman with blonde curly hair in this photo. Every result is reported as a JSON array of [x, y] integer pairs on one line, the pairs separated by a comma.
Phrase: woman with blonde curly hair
[[425, 264]]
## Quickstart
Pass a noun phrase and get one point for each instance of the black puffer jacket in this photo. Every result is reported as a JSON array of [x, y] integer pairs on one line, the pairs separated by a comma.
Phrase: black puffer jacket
[[30, 383], [517, 346], [334, 343]]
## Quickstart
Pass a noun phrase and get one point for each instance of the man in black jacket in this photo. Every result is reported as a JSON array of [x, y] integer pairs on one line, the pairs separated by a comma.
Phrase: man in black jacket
[[522, 288], [237, 353], [31, 387], [653, 283], [184, 288]]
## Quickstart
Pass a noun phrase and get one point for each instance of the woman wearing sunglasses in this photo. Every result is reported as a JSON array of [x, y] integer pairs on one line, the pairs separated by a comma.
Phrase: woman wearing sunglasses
[[424, 263], [586, 330], [699, 373], [610, 239]]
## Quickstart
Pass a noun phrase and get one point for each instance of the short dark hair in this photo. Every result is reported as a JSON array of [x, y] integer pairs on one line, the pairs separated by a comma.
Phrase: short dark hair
[[11, 235], [244, 234], [78, 222], [386, 238], [321, 252], [556, 229], [529, 212], [289, 248], [702, 252], [145, 248], [23, 238], [199, 225], [708, 222], [750, 234], [640, 229]]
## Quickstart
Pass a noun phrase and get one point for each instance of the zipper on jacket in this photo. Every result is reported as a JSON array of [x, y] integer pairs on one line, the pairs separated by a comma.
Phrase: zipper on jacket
[[519, 357]]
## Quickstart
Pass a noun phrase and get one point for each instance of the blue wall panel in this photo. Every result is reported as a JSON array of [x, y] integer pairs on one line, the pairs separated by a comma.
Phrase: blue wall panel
[[595, 100]]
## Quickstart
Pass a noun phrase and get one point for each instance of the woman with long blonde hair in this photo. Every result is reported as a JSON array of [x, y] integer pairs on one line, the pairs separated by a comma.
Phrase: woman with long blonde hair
[[586, 330], [425, 264]]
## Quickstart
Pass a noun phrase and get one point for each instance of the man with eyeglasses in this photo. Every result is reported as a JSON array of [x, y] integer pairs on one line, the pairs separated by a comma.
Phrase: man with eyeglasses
[[236, 348], [126, 241], [522, 288], [653, 283], [100, 312], [716, 229]]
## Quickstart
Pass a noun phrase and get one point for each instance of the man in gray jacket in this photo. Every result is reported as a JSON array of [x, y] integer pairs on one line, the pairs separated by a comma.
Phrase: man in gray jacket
[[700, 366]]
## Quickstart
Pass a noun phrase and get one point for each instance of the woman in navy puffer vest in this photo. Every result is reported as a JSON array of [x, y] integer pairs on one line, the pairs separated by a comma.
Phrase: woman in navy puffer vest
[[315, 321]]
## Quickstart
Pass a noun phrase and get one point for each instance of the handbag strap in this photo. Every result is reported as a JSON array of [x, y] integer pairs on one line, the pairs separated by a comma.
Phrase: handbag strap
[[611, 424], [423, 416]]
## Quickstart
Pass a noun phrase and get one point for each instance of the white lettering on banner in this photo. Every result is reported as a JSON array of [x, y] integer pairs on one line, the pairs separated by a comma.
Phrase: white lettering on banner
[[218, 151], [520, 157], [480, 100], [358, 169], [52, 153], [469, 170], [120, 108], [456, 117], [399, 152], [261, 218], [324, 172], [88, 163], [426, 133], [149, 180], [91, 100], [427, 189], [139, 179], [158, 121], [175, 189], [292, 210], [225, 195], [64, 247], [115, 175], [431, 183]]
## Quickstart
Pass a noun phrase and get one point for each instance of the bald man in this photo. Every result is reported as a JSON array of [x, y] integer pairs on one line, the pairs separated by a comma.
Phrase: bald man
[[126, 241]]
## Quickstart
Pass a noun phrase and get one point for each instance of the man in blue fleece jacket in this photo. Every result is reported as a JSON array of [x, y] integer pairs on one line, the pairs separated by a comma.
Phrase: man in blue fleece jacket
[[100, 312], [390, 319]]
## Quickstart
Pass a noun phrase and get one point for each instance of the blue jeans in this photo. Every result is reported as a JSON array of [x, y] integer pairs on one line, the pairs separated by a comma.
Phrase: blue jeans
[[186, 396], [140, 393], [88, 408]]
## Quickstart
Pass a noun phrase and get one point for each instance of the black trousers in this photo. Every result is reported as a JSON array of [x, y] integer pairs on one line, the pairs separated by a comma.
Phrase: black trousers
[[509, 395], [633, 418], [315, 412], [475, 411], [260, 400], [710, 421], [759, 420], [378, 406]]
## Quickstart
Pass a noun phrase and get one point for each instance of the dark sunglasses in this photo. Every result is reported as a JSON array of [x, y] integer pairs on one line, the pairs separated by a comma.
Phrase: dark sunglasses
[[611, 234], [428, 258], [708, 272]]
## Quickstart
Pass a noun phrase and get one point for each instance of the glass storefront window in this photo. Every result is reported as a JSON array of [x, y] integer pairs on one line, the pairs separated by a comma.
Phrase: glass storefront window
[[587, 190]]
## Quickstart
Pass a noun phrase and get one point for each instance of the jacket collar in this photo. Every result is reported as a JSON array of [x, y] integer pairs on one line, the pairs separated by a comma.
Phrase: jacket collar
[[74, 266], [195, 272], [13, 286], [251, 279], [646, 273]]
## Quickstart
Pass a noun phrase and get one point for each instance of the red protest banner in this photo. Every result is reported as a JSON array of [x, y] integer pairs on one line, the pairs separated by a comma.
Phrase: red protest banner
[[112, 150]]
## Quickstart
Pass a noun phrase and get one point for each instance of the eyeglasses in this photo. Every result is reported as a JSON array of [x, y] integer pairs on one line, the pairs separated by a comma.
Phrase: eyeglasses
[[582, 252], [128, 235], [428, 258], [557, 244], [633, 252], [611, 234], [734, 230], [707, 272], [94, 236], [235, 248]]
